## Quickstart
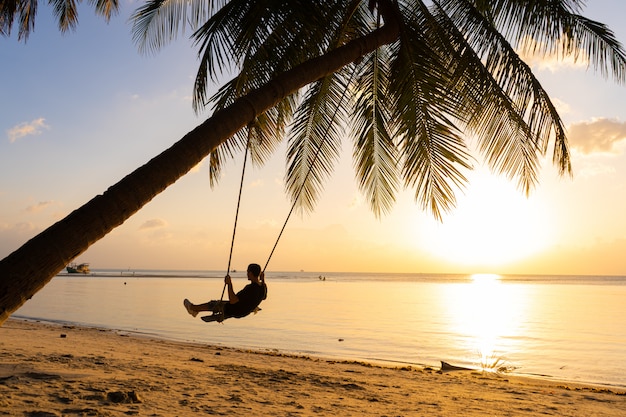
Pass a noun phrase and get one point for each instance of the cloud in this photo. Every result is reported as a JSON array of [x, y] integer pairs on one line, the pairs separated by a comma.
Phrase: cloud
[[561, 106], [36, 208], [12, 236], [532, 52], [34, 127], [153, 224], [594, 170], [597, 136], [17, 228]]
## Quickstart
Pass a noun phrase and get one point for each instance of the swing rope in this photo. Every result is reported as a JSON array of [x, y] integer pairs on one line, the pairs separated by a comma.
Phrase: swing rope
[[232, 242], [298, 193], [295, 200], [313, 161]]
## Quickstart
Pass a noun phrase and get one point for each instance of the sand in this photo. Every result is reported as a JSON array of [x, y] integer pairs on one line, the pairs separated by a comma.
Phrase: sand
[[54, 370]]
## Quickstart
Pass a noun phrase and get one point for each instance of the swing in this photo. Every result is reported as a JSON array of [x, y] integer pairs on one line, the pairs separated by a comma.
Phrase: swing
[[219, 314]]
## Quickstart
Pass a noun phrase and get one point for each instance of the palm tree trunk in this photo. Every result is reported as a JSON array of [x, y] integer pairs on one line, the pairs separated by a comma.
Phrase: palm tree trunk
[[32, 266]]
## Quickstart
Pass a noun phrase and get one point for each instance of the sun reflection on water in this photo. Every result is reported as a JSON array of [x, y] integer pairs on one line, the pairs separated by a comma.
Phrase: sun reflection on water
[[486, 312]]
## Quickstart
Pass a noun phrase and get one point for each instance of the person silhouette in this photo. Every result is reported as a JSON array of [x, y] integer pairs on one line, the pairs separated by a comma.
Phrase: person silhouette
[[239, 304]]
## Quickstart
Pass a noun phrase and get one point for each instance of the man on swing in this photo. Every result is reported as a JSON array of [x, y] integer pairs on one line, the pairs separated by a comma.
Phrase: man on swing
[[238, 305]]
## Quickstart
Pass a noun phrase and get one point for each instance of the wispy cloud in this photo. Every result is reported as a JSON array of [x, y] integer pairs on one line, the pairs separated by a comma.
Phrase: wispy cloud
[[36, 208], [561, 106], [597, 136], [590, 170], [31, 128], [532, 52], [153, 224], [23, 227]]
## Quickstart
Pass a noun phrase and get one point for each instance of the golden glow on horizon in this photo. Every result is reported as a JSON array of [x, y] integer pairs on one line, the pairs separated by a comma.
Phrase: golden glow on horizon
[[486, 310], [494, 224], [485, 279]]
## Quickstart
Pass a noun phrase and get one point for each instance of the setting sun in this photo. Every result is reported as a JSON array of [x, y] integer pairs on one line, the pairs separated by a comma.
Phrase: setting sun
[[493, 224]]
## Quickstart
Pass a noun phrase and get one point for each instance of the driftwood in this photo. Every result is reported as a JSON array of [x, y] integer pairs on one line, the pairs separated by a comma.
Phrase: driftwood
[[445, 366]]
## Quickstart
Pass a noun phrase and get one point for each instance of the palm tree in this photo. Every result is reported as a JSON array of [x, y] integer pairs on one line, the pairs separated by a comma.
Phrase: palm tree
[[66, 13], [410, 83]]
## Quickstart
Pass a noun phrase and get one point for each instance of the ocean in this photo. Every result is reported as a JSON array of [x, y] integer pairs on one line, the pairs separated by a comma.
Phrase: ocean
[[566, 328]]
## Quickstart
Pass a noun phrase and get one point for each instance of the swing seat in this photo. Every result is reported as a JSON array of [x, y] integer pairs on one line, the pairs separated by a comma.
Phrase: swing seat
[[219, 317], [213, 317]]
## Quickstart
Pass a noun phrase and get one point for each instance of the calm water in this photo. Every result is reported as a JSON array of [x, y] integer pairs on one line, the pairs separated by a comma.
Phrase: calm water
[[565, 328]]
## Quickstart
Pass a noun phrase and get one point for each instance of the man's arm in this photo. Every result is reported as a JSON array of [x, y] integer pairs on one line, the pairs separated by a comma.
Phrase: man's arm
[[262, 276], [232, 297]]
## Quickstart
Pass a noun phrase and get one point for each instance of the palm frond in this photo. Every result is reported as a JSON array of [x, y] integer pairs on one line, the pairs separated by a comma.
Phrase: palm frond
[[507, 108], [277, 44], [8, 10], [24, 12], [315, 139], [260, 138], [521, 19], [434, 154], [158, 22], [602, 48], [265, 133], [27, 12], [557, 28], [260, 39], [106, 8], [66, 13], [375, 153]]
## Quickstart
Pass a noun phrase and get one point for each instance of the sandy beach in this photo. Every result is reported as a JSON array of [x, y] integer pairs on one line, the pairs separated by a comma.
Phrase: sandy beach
[[54, 370]]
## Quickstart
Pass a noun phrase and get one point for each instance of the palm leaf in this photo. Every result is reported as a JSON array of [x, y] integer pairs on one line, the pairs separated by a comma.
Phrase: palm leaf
[[375, 154], [315, 139], [158, 22], [505, 105], [433, 151], [315, 142], [557, 28]]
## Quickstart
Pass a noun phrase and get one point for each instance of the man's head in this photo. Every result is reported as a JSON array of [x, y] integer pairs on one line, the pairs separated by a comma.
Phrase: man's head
[[254, 269]]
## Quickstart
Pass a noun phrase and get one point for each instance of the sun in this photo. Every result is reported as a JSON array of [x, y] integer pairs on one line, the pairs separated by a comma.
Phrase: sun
[[494, 224]]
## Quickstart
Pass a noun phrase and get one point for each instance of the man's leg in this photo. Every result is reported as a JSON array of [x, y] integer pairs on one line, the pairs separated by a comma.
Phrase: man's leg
[[215, 306]]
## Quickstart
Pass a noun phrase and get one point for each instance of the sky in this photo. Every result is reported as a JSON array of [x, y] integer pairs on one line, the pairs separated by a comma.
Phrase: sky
[[81, 110]]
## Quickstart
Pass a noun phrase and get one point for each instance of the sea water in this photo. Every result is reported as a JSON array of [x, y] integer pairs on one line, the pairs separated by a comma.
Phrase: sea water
[[568, 328]]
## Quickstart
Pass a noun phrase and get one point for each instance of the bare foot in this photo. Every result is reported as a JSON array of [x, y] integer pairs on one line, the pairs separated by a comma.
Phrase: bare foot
[[190, 310]]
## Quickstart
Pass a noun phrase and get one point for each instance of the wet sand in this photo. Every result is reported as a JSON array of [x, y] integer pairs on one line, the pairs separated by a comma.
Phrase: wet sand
[[54, 370]]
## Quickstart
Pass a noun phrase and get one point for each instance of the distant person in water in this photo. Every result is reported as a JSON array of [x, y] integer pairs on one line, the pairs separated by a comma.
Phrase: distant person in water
[[239, 304]]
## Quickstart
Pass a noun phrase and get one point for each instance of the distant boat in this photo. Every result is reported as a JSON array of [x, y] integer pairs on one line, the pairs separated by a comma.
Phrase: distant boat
[[78, 269]]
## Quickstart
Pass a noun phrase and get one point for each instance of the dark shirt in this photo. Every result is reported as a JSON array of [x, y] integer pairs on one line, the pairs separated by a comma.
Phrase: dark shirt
[[249, 298]]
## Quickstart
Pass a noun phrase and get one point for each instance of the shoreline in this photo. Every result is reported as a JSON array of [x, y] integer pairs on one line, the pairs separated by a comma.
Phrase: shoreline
[[370, 361], [65, 369], [439, 321]]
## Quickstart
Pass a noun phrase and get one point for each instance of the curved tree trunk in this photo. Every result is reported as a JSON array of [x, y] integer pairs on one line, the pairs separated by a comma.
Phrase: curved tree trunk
[[32, 266]]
